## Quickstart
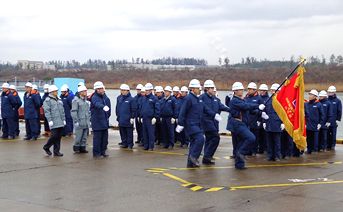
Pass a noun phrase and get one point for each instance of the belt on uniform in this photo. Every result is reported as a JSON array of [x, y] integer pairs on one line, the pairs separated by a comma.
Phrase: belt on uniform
[[238, 119]]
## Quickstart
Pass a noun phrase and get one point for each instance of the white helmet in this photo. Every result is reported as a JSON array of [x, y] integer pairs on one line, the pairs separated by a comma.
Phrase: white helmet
[[215, 89], [184, 89], [139, 87], [252, 85], [275, 86], [124, 87], [98, 84], [332, 89], [28, 84], [263, 87], [323, 93], [148, 86], [64, 87], [81, 88], [12, 87], [176, 89], [143, 89], [168, 88], [237, 86], [209, 84], [46, 86], [314, 92], [159, 89], [194, 83], [53, 88], [81, 83], [34, 87]]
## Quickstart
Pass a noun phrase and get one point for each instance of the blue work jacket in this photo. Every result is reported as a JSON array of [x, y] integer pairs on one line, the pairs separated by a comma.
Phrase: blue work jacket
[[125, 110], [150, 107], [169, 108], [315, 115], [336, 109], [8, 104], [328, 116], [256, 99], [31, 103], [273, 124], [99, 118], [67, 100]]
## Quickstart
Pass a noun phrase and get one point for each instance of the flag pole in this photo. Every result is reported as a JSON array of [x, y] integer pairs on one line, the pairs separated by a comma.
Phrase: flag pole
[[303, 59]]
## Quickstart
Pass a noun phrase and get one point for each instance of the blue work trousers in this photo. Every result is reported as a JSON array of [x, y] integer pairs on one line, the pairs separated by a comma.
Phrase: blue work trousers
[[8, 127], [126, 134], [323, 137], [139, 129], [256, 133], [332, 132], [211, 144], [262, 141], [312, 141], [168, 132], [100, 141], [31, 128], [286, 144], [274, 145], [148, 133], [195, 146], [245, 142]]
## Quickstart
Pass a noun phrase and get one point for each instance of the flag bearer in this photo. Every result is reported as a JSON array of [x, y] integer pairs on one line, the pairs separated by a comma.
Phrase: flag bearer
[[169, 111], [328, 119], [190, 119], [313, 122], [31, 103], [8, 104], [16, 109], [337, 115]]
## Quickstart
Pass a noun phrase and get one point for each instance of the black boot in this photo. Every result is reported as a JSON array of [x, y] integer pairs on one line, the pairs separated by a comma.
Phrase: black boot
[[83, 149], [76, 149]]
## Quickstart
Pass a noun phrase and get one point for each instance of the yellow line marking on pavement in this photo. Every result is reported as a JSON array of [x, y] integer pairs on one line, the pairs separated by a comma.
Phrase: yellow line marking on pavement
[[196, 188], [280, 185], [214, 189], [227, 157], [187, 184], [21, 139], [176, 178]]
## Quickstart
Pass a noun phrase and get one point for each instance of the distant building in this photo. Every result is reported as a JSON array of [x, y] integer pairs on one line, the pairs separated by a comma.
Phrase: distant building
[[162, 67], [36, 65], [49, 67]]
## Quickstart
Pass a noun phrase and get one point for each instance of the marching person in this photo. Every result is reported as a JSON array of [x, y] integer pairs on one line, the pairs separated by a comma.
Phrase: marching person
[[80, 112], [273, 127], [126, 113], [254, 97], [54, 113], [209, 125], [262, 141], [182, 136], [189, 119], [31, 103], [35, 89], [169, 113], [149, 113], [328, 116], [67, 104], [100, 114], [8, 103], [139, 125], [239, 110], [16, 109], [313, 122], [336, 114], [46, 124]]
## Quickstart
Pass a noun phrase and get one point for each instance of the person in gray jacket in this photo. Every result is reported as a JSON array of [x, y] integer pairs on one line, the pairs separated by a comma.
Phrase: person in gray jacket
[[81, 116], [54, 113]]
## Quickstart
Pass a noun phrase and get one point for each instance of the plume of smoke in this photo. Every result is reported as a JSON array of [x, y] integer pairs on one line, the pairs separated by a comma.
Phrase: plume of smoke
[[217, 45]]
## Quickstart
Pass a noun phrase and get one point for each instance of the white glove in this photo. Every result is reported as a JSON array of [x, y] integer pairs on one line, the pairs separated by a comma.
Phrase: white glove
[[142, 120], [230, 95], [106, 108], [282, 127], [327, 124], [264, 115], [179, 128], [77, 124], [261, 107], [258, 123], [176, 121], [132, 121], [51, 123], [218, 117], [160, 119], [172, 120], [337, 122], [318, 126], [264, 126], [65, 123], [153, 121]]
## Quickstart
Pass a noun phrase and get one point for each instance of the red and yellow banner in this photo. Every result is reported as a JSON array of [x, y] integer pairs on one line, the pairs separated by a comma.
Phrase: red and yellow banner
[[289, 105]]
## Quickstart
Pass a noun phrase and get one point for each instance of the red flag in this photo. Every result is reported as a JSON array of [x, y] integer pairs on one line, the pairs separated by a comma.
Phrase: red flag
[[289, 105]]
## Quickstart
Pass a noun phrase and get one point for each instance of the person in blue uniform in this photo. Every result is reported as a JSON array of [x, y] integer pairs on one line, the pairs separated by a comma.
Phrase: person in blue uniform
[[337, 115], [100, 114], [139, 106], [169, 111], [158, 129], [177, 96], [184, 140], [149, 113], [255, 125], [239, 110], [35, 89], [46, 124], [126, 113], [209, 125], [262, 141], [189, 119], [313, 122], [229, 126], [67, 104], [273, 127], [139, 126], [8, 103], [31, 103], [16, 109], [328, 116]]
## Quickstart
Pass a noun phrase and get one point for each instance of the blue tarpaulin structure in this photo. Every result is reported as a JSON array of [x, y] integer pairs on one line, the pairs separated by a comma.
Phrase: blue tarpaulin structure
[[71, 82]]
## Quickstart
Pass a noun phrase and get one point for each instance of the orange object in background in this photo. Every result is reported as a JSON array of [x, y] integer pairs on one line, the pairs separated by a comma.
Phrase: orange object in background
[[21, 113]]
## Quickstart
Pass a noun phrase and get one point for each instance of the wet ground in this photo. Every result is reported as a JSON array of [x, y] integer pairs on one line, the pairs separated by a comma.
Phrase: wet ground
[[136, 180]]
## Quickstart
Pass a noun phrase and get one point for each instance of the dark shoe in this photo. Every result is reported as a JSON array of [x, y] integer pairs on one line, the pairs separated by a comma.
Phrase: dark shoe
[[83, 149], [208, 163], [26, 139], [243, 168], [145, 149], [277, 159], [140, 144], [150, 149], [242, 157], [121, 143], [232, 157], [11, 138], [194, 160], [76, 149], [123, 147], [98, 156], [33, 139], [268, 159], [105, 156], [4, 136], [137, 142], [193, 166], [58, 154], [47, 151], [165, 147]]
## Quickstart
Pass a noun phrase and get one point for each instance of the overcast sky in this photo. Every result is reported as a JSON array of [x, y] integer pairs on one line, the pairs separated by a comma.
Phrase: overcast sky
[[71, 29]]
